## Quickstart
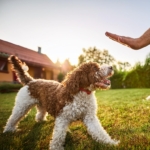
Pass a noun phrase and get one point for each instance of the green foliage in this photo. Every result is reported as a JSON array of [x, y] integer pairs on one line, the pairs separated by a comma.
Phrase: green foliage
[[138, 77], [147, 60], [124, 114], [95, 55], [123, 66], [117, 80], [9, 87], [60, 76], [131, 79]]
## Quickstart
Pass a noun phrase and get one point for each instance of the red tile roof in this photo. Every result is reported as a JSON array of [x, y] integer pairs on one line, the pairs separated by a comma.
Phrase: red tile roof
[[26, 54]]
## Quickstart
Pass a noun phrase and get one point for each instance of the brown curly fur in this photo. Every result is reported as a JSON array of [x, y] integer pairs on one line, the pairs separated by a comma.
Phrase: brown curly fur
[[52, 95], [16, 65]]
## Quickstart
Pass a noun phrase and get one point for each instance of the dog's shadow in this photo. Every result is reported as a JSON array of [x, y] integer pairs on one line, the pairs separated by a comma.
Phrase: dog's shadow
[[39, 136]]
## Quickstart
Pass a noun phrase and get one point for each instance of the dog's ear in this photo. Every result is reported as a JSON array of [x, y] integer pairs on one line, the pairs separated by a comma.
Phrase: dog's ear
[[75, 80]]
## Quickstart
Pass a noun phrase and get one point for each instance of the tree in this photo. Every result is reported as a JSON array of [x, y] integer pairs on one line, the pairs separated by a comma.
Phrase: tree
[[66, 66], [95, 55], [123, 66], [107, 58], [147, 60], [58, 63]]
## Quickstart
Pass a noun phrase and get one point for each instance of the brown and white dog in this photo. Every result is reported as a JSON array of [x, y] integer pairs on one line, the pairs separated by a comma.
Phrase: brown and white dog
[[68, 101]]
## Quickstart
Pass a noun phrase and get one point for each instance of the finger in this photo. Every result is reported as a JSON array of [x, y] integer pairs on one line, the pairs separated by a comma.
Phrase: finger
[[115, 37], [120, 39], [126, 41], [112, 36]]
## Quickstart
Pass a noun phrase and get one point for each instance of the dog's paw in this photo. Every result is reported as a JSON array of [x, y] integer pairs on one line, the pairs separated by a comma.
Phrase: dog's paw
[[9, 130], [114, 142]]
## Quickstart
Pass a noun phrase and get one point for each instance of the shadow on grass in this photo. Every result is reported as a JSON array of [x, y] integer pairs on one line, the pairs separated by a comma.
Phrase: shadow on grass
[[36, 138], [31, 139], [79, 139], [21, 139], [76, 143], [39, 136]]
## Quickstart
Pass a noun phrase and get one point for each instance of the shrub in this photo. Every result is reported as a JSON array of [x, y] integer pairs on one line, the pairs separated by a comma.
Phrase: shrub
[[9, 87], [117, 80], [60, 76]]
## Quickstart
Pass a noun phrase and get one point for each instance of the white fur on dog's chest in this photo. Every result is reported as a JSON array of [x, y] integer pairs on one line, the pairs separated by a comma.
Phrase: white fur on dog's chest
[[81, 105]]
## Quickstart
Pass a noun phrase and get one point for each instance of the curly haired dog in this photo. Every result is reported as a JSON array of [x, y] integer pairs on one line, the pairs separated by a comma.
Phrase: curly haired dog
[[67, 101]]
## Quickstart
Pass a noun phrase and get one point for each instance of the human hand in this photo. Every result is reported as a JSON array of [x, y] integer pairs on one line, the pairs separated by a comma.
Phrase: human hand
[[133, 43]]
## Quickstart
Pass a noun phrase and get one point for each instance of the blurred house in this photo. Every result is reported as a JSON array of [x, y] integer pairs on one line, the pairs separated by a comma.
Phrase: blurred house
[[66, 66], [40, 66]]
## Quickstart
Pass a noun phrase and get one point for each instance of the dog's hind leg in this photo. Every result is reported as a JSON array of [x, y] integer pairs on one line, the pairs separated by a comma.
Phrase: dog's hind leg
[[97, 131], [41, 113], [59, 133], [22, 106]]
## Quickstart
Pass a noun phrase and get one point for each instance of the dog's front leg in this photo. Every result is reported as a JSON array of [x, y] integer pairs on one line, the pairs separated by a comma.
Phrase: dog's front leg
[[59, 134], [96, 130]]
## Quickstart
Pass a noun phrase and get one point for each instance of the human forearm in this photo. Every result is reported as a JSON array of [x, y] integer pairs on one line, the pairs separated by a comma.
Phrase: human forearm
[[144, 40], [134, 43]]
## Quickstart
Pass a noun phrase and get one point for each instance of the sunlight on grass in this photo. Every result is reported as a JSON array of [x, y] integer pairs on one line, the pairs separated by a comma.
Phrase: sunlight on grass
[[125, 114]]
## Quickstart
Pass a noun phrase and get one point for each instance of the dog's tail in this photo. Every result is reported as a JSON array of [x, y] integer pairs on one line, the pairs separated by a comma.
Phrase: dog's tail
[[20, 70]]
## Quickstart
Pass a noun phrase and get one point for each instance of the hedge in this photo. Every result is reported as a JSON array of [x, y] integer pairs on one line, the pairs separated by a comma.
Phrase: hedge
[[9, 87]]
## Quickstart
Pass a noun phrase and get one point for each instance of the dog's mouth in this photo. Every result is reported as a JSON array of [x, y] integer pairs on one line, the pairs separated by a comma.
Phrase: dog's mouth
[[105, 83], [101, 80]]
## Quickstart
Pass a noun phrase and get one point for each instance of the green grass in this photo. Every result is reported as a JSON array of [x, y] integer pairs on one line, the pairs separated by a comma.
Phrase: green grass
[[125, 114]]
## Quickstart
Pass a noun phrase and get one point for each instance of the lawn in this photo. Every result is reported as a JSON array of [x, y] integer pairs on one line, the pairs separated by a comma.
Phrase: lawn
[[124, 113]]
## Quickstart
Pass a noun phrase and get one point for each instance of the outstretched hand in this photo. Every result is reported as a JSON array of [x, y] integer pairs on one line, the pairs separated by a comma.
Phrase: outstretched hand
[[127, 41], [134, 43]]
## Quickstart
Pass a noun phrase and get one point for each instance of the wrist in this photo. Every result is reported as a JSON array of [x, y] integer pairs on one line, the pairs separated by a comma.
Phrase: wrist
[[140, 42], [145, 39]]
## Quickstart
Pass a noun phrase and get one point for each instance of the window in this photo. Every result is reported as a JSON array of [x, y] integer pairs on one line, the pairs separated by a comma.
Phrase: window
[[3, 65]]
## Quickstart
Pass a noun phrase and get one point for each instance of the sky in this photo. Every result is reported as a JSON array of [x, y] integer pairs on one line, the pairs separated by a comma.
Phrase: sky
[[62, 28]]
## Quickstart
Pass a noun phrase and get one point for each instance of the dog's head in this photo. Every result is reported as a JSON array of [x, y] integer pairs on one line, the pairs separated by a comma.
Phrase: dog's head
[[89, 76]]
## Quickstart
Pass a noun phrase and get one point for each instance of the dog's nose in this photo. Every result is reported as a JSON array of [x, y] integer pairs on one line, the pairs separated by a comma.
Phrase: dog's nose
[[110, 67]]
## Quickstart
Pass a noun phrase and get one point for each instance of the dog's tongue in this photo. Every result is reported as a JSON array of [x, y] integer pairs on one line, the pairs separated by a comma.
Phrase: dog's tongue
[[106, 81]]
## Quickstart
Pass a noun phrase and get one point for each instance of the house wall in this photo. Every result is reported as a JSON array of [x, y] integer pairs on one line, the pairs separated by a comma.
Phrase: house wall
[[31, 71], [49, 74], [55, 73], [6, 77]]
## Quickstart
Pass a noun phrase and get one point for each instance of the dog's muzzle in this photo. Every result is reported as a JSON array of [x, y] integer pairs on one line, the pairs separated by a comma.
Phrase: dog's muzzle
[[102, 77]]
